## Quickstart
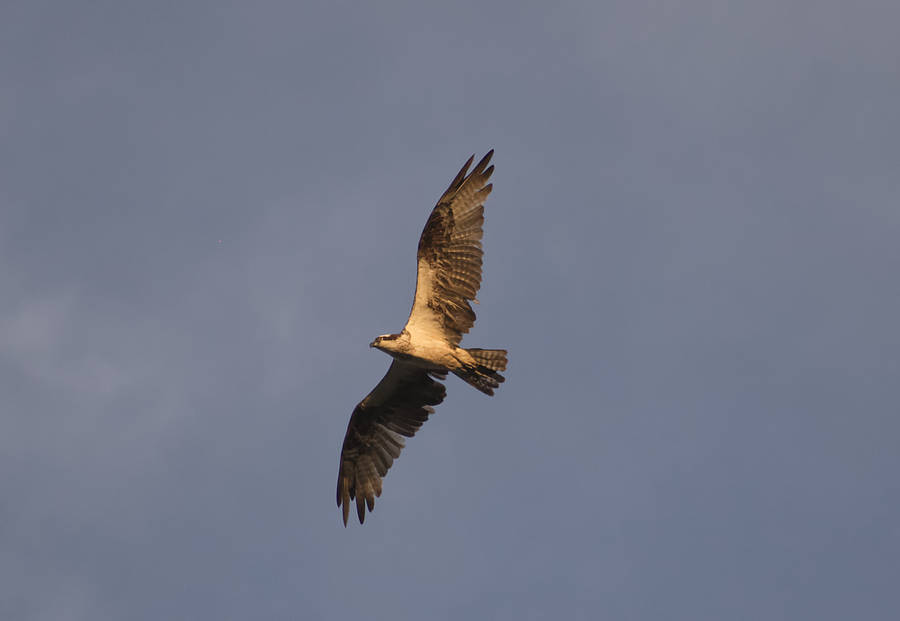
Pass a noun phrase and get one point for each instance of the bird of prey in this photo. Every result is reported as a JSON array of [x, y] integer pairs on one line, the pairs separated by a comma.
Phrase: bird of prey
[[448, 278]]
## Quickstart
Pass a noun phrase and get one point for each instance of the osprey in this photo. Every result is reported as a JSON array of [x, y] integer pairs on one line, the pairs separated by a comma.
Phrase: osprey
[[448, 278]]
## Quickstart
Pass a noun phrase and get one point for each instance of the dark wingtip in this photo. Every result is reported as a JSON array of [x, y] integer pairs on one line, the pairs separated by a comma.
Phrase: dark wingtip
[[461, 174], [360, 507], [483, 163]]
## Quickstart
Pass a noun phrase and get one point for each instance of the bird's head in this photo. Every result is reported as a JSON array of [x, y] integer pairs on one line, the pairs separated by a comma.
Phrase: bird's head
[[385, 342]]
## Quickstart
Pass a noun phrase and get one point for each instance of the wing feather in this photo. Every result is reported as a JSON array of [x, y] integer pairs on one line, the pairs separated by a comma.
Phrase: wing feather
[[396, 407], [450, 257]]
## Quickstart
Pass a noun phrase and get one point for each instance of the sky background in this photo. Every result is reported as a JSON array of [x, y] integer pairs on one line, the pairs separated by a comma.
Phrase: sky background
[[209, 209]]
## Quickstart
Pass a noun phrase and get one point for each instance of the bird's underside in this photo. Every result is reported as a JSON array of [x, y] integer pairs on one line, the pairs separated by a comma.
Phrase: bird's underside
[[448, 278]]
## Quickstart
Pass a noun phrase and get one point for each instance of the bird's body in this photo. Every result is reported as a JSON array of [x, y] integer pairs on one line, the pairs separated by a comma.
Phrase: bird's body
[[428, 354], [448, 278], [437, 356]]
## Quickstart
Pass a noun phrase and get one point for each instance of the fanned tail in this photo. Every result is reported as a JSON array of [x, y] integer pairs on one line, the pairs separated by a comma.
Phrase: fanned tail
[[483, 374]]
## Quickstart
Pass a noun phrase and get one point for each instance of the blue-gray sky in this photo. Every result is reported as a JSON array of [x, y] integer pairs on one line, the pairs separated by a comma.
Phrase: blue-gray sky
[[208, 209]]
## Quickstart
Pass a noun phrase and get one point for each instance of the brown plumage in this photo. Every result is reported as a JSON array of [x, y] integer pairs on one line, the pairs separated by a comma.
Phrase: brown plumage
[[450, 253], [397, 407], [448, 278]]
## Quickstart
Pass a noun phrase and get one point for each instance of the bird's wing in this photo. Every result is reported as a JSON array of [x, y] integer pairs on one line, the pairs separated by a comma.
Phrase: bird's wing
[[396, 407], [449, 257]]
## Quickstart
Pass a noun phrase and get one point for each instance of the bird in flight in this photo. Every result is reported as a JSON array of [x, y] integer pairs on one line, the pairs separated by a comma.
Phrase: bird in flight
[[448, 278]]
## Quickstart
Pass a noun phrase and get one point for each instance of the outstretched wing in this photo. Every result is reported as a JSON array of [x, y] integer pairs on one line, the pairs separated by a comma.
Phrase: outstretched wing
[[397, 407], [449, 257]]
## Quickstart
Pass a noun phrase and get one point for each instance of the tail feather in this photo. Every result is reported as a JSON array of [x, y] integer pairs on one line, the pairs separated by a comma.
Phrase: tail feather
[[483, 374], [491, 358]]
